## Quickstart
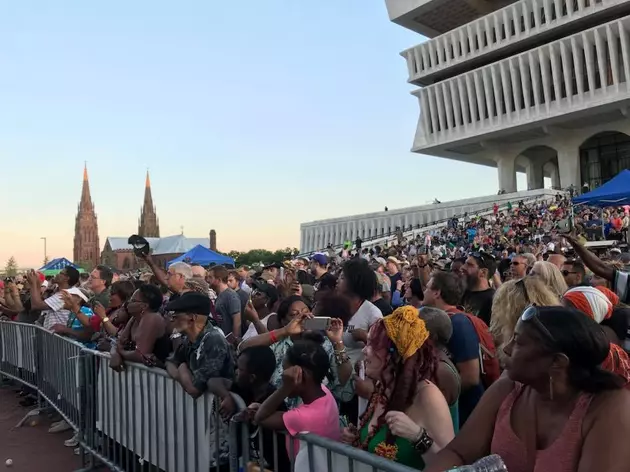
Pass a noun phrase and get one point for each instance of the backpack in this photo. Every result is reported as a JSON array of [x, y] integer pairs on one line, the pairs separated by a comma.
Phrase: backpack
[[488, 359]]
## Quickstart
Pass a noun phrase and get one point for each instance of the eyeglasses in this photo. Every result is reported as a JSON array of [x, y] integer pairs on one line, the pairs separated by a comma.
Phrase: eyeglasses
[[566, 272], [515, 263], [532, 314]]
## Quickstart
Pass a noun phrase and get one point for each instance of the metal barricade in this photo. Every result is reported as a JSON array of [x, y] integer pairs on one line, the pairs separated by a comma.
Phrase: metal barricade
[[19, 353], [58, 380], [314, 454], [142, 420]]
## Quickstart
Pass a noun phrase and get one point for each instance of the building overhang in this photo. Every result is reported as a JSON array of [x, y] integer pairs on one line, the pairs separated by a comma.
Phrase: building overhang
[[431, 18]]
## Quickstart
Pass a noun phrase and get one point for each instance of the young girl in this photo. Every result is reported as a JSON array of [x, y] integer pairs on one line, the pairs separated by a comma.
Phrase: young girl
[[305, 367]]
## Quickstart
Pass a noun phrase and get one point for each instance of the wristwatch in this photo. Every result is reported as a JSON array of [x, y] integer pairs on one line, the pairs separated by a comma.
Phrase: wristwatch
[[106, 319], [423, 442]]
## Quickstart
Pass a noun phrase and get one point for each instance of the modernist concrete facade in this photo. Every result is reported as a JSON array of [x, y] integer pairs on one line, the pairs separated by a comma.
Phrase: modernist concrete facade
[[316, 235], [520, 88]]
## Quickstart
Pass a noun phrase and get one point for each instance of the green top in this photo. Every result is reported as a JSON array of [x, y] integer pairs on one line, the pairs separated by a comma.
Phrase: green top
[[454, 408], [406, 454]]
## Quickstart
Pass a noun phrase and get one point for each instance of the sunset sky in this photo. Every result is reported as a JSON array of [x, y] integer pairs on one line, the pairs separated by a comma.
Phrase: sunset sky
[[251, 116]]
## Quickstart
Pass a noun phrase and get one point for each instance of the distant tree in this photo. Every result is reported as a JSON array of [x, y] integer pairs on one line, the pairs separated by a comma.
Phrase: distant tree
[[46, 261], [11, 268], [262, 256], [85, 265]]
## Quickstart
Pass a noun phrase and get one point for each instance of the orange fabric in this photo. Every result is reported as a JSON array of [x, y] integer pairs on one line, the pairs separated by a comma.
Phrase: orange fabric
[[612, 296], [618, 362]]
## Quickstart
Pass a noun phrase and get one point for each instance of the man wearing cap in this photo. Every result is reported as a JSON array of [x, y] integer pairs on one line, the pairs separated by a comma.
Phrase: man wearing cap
[[204, 352], [324, 280]]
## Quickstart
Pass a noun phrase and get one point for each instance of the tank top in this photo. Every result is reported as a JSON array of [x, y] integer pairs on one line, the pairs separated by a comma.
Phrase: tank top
[[454, 408], [561, 456]]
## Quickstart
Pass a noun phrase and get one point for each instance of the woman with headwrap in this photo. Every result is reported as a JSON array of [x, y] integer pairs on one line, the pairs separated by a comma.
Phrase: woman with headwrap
[[407, 415], [598, 303]]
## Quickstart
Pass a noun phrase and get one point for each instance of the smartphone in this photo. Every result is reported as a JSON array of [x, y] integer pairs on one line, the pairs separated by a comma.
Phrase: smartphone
[[318, 323], [566, 225]]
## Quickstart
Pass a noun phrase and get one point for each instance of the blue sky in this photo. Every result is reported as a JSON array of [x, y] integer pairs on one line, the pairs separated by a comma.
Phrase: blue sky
[[252, 117]]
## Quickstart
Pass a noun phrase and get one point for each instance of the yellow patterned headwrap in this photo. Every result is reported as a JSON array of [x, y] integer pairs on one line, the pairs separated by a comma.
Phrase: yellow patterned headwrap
[[406, 330]]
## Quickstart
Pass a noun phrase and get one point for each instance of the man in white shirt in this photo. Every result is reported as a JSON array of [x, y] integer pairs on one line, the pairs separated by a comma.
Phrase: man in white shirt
[[358, 284], [53, 311]]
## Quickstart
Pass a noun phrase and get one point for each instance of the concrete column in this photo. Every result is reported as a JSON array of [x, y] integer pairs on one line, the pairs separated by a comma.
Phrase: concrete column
[[555, 176], [302, 238], [569, 167], [535, 175], [507, 173]]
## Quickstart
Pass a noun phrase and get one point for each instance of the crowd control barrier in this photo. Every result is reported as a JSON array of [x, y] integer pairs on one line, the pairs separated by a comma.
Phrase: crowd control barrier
[[141, 420]]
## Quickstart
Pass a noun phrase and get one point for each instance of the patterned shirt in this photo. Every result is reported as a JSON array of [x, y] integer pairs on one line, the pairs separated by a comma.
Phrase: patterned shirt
[[209, 356]]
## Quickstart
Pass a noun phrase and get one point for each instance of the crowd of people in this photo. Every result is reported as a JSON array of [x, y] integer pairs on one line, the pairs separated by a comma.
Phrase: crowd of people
[[500, 334]]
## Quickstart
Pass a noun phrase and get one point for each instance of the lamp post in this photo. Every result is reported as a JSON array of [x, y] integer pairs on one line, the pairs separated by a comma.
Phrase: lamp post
[[45, 252]]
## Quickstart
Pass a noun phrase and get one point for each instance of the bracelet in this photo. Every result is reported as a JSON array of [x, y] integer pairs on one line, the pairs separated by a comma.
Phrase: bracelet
[[273, 337], [423, 442]]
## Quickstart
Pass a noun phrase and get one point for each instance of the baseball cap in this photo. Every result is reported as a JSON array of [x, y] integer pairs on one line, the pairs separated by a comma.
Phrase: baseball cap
[[267, 289], [190, 302], [320, 258], [78, 292]]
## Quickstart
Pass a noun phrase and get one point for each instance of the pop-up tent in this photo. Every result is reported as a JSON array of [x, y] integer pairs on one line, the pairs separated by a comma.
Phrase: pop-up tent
[[57, 265], [615, 192], [203, 256]]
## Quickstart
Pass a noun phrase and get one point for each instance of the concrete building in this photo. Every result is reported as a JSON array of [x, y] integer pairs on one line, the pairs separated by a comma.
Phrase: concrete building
[[534, 86], [316, 235], [539, 86]]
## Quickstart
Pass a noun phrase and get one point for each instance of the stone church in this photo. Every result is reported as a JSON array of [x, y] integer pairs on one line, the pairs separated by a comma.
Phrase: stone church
[[116, 252]]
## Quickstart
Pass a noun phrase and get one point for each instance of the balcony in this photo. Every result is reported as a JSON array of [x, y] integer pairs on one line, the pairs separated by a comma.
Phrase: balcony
[[434, 17], [508, 31], [575, 81]]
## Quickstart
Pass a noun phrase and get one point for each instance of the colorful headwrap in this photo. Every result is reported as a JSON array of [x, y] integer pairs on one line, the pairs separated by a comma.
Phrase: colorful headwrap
[[406, 330], [612, 296], [598, 304], [591, 301]]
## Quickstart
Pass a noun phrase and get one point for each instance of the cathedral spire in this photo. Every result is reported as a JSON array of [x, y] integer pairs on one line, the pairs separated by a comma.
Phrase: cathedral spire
[[148, 226], [86, 245], [86, 199]]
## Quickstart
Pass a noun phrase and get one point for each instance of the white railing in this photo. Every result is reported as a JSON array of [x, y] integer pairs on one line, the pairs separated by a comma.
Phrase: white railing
[[522, 21], [573, 74]]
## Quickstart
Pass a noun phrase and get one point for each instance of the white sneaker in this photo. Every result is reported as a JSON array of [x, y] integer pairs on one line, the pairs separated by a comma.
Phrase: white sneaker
[[72, 442], [77, 451], [59, 427]]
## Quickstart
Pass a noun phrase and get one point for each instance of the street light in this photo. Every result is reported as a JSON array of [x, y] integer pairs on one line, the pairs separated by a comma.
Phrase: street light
[[45, 252]]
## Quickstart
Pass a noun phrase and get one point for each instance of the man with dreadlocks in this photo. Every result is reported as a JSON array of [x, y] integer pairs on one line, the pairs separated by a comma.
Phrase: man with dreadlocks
[[402, 362]]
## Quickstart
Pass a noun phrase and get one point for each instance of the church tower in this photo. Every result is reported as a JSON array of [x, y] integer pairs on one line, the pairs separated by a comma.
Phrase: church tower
[[148, 225], [86, 247]]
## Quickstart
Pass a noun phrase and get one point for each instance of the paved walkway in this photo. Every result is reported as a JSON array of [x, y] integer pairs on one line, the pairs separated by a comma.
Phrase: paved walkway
[[31, 448]]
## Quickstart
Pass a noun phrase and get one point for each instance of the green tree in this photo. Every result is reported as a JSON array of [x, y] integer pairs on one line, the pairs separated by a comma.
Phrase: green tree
[[85, 265], [46, 261], [11, 268], [262, 256]]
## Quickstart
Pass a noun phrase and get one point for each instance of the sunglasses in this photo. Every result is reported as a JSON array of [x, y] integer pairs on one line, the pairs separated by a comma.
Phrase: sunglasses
[[566, 272], [532, 314]]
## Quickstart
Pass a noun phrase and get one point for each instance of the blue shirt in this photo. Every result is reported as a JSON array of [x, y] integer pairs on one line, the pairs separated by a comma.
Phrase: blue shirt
[[464, 346], [75, 324]]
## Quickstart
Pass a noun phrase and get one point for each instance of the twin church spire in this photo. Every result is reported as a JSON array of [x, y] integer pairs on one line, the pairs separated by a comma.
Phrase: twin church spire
[[148, 224], [86, 242]]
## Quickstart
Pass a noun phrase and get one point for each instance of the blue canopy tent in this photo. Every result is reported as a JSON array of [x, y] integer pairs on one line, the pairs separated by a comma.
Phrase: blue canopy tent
[[57, 265], [203, 256], [615, 192]]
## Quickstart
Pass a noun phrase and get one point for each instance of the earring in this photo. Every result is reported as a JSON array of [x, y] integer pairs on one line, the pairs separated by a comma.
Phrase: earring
[[550, 387]]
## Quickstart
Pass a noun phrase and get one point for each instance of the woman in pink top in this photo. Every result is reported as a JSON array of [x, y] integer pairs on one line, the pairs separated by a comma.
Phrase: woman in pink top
[[557, 410], [305, 365]]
